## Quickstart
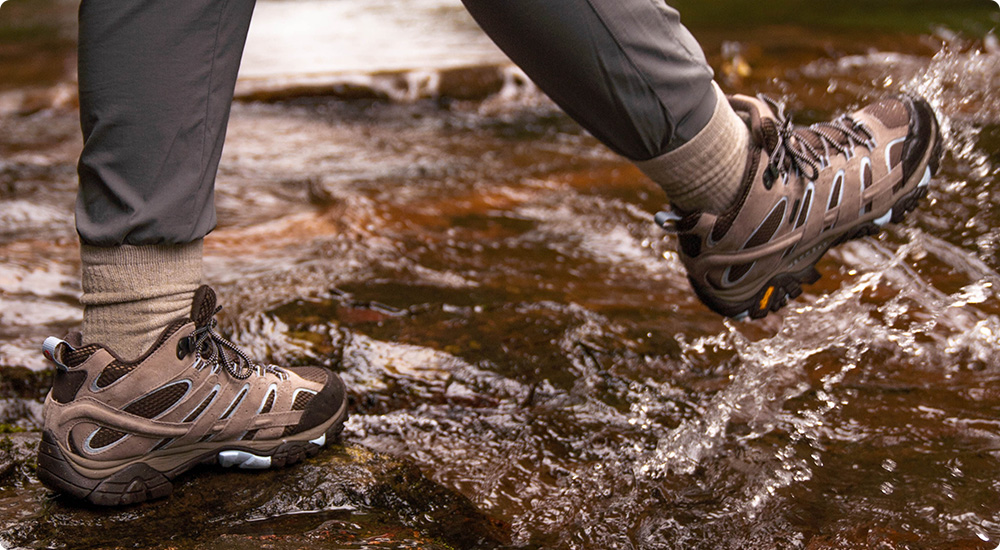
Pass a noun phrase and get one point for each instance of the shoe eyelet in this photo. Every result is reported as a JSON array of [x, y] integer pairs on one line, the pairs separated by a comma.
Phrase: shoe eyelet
[[184, 348], [770, 175]]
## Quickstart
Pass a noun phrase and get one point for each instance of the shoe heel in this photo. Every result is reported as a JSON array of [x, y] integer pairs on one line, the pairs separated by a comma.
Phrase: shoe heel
[[130, 485]]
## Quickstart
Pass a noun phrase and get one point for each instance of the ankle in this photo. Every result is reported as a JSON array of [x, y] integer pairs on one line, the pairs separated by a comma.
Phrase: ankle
[[706, 173], [130, 293]]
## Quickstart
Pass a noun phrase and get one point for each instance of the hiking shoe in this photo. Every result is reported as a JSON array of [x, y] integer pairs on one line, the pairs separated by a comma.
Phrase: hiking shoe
[[805, 189], [117, 432]]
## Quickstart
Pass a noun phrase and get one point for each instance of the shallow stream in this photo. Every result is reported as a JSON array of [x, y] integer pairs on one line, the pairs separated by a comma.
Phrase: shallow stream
[[487, 279]]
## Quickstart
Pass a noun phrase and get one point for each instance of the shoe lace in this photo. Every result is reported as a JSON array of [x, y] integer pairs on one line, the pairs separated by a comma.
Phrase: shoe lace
[[795, 148], [211, 347]]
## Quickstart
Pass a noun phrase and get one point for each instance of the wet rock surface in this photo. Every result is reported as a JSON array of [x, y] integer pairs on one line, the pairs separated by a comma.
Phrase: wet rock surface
[[526, 363], [346, 497]]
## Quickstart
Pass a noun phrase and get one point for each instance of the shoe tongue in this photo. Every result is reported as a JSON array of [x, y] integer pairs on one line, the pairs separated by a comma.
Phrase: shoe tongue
[[203, 308], [203, 305], [763, 123], [769, 133]]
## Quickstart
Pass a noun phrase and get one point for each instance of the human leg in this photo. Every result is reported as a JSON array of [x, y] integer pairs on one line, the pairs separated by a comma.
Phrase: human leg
[[150, 389], [156, 84], [635, 78], [805, 190], [629, 72]]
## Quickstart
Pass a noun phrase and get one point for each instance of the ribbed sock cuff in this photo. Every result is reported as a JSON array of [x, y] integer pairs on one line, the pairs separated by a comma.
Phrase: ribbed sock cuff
[[131, 293], [705, 173]]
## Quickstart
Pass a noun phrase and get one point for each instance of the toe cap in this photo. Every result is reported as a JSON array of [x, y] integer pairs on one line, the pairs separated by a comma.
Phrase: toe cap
[[923, 134], [327, 403]]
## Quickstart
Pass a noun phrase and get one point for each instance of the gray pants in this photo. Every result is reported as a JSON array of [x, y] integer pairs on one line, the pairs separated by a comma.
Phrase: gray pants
[[157, 80]]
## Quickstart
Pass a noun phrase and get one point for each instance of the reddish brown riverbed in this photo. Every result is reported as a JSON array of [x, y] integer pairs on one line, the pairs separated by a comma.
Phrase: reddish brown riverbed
[[520, 340]]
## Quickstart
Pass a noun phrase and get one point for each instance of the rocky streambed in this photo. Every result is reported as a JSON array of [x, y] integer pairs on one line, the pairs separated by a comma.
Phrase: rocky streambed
[[527, 365]]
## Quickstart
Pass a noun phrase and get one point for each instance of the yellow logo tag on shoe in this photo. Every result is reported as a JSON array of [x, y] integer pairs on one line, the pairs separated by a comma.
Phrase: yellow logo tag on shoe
[[770, 289]]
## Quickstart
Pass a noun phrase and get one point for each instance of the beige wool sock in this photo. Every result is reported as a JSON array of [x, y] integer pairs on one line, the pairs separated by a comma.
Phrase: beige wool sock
[[705, 173], [131, 293]]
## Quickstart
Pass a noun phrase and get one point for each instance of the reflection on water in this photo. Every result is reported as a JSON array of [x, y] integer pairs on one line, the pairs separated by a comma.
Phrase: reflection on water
[[487, 280], [322, 37], [540, 353]]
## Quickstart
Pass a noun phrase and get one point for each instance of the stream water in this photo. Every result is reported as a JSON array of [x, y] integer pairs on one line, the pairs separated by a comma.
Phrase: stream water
[[487, 280]]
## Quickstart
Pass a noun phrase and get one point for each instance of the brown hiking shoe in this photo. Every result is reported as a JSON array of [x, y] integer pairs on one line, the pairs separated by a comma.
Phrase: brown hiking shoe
[[117, 432], [806, 189]]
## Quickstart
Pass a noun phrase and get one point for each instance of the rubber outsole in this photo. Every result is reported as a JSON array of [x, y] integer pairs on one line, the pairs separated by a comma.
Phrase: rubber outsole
[[139, 482], [784, 287]]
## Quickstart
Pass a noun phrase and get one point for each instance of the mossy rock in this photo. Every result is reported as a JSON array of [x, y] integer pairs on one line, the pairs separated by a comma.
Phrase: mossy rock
[[346, 495]]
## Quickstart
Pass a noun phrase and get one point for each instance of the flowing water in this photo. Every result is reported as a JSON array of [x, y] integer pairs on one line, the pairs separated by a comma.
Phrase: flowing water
[[487, 280]]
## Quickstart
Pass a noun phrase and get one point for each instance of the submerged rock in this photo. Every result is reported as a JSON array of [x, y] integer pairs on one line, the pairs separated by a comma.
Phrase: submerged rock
[[346, 496]]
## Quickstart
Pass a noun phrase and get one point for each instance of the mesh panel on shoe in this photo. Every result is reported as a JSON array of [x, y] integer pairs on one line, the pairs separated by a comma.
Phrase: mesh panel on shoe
[[302, 400], [737, 272], [688, 222], [890, 112], [804, 213], [156, 403], [235, 405], [690, 244], [768, 228], [113, 372], [201, 408], [117, 369], [723, 224], [79, 355], [835, 194], [105, 437], [269, 403], [312, 374]]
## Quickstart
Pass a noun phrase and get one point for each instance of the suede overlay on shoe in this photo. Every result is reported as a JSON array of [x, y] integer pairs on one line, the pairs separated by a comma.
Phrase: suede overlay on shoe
[[805, 189], [117, 432]]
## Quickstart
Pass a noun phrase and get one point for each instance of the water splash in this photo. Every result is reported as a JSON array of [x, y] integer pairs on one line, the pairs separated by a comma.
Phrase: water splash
[[958, 82], [561, 376]]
